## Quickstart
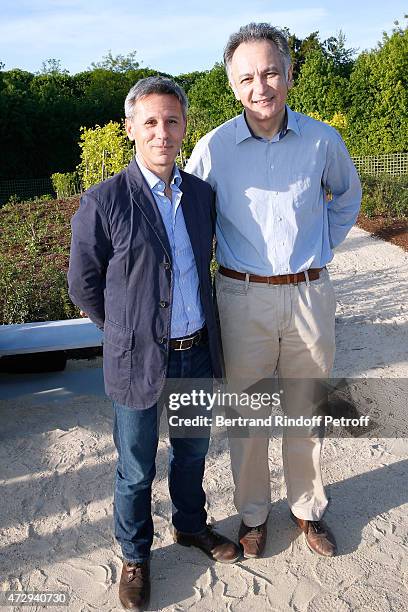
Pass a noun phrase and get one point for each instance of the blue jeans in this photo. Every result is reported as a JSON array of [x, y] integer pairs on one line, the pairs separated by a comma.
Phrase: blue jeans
[[135, 435]]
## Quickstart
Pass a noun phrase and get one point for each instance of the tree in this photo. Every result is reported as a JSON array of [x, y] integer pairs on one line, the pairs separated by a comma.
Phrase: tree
[[319, 87], [333, 48], [198, 124], [117, 63], [343, 58], [299, 49], [105, 92], [187, 80], [52, 66], [212, 93], [378, 113], [17, 128]]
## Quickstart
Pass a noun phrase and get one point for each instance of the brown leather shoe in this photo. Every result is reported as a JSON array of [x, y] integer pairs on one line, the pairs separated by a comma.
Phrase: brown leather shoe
[[252, 540], [134, 586], [317, 536], [216, 546]]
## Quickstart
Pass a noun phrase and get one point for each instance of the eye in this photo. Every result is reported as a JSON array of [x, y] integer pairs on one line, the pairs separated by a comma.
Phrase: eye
[[150, 122]]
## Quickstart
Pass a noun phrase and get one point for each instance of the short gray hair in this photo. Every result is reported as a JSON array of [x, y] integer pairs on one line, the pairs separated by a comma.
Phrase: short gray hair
[[154, 85], [254, 32]]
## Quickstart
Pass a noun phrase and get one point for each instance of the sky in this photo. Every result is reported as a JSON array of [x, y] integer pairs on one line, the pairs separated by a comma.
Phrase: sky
[[172, 36]]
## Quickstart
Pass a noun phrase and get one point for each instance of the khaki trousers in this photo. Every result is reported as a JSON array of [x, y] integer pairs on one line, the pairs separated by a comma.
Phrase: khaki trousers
[[288, 330]]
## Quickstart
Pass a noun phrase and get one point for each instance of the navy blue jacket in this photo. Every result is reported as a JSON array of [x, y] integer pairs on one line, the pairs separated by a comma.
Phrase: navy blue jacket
[[120, 274]]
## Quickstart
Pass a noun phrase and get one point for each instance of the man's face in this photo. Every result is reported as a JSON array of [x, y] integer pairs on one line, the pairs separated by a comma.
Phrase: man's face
[[259, 81], [157, 127]]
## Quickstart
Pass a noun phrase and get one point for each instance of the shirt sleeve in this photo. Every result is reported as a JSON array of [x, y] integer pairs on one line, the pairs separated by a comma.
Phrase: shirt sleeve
[[341, 179], [89, 257]]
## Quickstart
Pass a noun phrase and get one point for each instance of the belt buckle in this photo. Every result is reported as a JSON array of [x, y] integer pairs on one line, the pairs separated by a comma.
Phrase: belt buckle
[[190, 342]]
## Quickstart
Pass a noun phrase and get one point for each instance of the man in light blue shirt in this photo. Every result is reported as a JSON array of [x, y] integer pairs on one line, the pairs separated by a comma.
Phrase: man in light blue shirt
[[272, 170]]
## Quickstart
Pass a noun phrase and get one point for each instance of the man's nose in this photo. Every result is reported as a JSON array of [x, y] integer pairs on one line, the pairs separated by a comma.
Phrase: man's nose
[[162, 130], [260, 85]]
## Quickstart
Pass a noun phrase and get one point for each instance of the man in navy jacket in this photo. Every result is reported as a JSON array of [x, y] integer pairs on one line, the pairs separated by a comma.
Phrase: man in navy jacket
[[140, 269]]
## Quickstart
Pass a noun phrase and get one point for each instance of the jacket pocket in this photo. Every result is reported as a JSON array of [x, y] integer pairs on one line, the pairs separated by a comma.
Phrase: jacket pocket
[[117, 357]]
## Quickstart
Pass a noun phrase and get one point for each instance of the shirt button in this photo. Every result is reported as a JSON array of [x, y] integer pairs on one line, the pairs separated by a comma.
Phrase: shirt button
[[162, 340], [279, 218], [166, 265], [163, 304]]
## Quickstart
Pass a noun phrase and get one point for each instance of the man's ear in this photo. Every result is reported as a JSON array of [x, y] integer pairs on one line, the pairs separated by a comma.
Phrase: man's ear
[[289, 79], [129, 128]]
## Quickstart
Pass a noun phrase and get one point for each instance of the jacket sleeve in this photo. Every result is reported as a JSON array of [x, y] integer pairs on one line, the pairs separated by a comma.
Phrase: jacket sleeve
[[90, 252], [213, 211]]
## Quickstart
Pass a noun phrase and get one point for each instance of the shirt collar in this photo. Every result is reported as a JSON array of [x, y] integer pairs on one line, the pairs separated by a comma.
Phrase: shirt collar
[[292, 121], [153, 181], [243, 131]]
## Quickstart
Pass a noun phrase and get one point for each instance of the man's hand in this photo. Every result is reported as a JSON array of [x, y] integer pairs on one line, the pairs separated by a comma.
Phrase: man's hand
[[82, 313]]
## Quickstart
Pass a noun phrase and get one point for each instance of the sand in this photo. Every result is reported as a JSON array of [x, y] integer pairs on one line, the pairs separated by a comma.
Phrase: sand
[[57, 463]]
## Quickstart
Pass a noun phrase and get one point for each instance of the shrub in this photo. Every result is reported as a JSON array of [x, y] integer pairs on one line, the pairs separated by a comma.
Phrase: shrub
[[385, 195], [338, 121], [104, 151], [67, 184], [33, 293], [34, 254], [16, 199]]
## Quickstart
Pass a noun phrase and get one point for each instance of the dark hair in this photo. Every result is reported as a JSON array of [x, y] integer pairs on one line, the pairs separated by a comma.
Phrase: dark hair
[[254, 32], [154, 85]]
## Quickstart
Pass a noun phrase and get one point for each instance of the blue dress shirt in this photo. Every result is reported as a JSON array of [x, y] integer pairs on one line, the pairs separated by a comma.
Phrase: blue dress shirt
[[187, 314], [273, 213]]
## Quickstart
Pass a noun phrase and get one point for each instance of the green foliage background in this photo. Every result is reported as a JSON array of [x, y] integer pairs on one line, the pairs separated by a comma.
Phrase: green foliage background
[[47, 126], [41, 114]]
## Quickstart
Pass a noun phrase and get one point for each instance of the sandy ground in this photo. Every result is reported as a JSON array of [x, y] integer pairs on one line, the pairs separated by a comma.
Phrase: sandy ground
[[57, 466]]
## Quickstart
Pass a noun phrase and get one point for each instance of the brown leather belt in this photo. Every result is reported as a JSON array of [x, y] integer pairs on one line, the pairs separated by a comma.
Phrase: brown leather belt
[[183, 344], [284, 279]]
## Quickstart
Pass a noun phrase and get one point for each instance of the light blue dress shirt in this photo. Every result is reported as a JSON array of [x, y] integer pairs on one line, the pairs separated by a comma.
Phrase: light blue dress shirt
[[273, 214], [187, 314]]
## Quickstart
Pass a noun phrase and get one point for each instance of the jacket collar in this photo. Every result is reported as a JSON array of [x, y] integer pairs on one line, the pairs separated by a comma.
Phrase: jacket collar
[[153, 180], [191, 215], [143, 198]]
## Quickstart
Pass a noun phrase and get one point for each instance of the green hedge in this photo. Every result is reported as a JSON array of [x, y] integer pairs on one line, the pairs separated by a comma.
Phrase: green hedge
[[385, 195]]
